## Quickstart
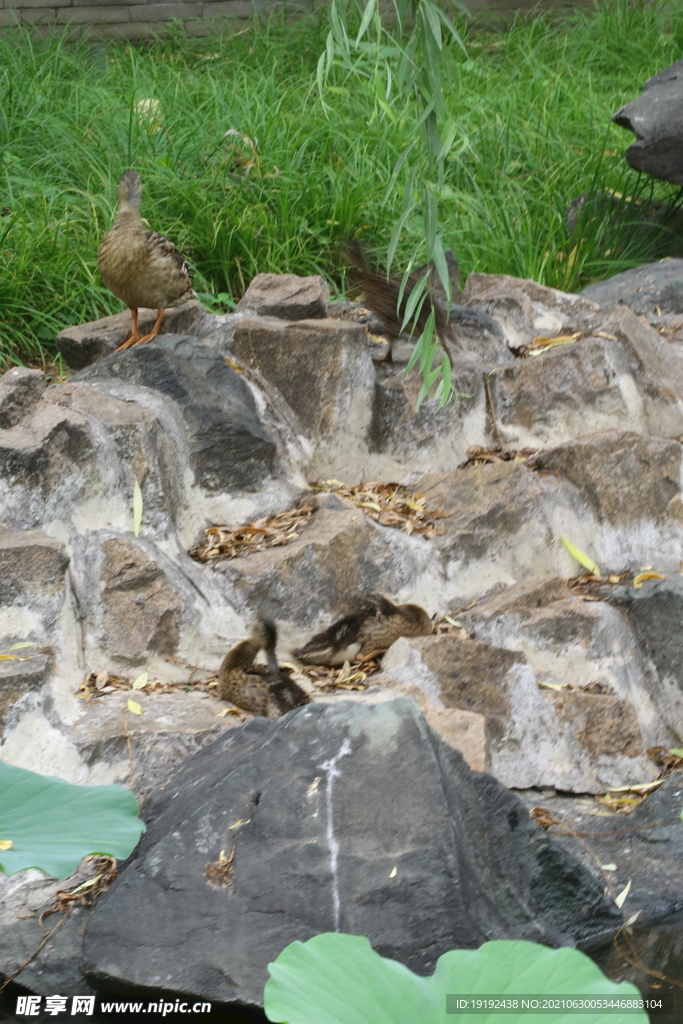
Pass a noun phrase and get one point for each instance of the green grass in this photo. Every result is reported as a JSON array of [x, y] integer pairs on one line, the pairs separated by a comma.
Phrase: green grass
[[532, 104]]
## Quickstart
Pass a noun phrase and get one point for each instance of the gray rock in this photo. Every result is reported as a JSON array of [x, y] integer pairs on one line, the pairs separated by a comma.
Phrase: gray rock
[[141, 609], [649, 854], [286, 296], [655, 119], [20, 391], [622, 477], [86, 343], [28, 673], [578, 742], [646, 289], [653, 613], [229, 448], [312, 853]]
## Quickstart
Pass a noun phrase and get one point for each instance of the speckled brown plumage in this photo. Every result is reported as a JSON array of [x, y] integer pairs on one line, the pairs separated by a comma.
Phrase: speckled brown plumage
[[141, 267], [370, 630], [262, 690]]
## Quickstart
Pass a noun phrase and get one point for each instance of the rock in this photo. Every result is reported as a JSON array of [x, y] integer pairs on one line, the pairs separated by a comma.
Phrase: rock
[[333, 357], [573, 643], [85, 344], [268, 792], [578, 742], [23, 897], [141, 610], [646, 290], [286, 296], [33, 584], [20, 391], [310, 581], [548, 310], [655, 119], [229, 448], [653, 613], [648, 855], [27, 674], [622, 477], [41, 460]]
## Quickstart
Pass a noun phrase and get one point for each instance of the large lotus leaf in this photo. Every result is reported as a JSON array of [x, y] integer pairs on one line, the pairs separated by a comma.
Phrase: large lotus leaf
[[52, 823], [340, 979]]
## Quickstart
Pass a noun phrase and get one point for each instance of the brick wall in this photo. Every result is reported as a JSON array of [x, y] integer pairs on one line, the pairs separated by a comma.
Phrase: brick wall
[[135, 19], [129, 19]]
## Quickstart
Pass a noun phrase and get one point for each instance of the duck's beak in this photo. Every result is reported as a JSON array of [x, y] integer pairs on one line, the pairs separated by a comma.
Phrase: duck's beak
[[272, 661]]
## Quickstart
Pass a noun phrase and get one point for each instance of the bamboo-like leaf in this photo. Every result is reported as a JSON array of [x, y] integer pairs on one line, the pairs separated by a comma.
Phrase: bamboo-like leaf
[[367, 18], [137, 508], [433, 22], [582, 558], [397, 170], [431, 217]]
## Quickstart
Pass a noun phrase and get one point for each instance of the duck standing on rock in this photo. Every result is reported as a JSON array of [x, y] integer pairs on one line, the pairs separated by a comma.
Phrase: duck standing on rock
[[141, 267], [365, 633], [262, 690]]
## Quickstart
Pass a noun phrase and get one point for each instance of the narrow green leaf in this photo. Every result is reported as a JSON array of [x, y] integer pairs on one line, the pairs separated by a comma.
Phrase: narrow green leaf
[[397, 170], [367, 18], [137, 508], [430, 219], [433, 22], [580, 556]]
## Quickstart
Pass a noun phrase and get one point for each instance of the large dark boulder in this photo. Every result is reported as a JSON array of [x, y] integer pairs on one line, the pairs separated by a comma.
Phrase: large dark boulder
[[346, 817], [656, 119], [229, 448]]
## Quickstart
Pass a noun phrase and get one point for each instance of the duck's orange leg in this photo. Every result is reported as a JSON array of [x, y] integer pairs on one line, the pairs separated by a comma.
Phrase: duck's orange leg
[[135, 335], [155, 330]]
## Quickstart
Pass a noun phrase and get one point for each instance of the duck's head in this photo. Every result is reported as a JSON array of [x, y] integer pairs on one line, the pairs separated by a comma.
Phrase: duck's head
[[264, 633], [130, 189]]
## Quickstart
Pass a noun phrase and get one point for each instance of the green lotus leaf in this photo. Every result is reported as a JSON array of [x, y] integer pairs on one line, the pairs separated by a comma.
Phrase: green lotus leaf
[[340, 979], [52, 823]]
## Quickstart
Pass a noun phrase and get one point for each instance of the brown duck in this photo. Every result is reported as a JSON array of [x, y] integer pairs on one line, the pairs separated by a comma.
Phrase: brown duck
[[262, 690], [365, 633], [139, 266]]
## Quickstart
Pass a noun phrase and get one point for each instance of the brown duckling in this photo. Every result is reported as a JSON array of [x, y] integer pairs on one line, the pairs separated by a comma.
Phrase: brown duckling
[[365, 633], [139, 266], [262, 690]]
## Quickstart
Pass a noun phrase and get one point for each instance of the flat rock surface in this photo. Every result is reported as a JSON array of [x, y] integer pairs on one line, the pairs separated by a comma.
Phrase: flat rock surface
[[308, 808], [650, 290]]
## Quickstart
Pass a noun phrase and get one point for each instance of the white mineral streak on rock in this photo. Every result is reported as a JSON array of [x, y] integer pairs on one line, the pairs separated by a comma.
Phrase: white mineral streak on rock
[[332, 772]]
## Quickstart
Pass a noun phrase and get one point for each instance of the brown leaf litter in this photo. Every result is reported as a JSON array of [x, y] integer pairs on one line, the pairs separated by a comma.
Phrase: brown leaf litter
[[388, 504], [589, 587], [478, 456], [220, 872], [266, 532]]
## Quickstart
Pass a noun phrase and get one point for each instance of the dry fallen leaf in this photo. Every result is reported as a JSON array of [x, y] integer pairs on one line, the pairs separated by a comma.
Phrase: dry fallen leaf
[[133, 706], [621, 898], [6, 844], [141, 681], [642, 576]]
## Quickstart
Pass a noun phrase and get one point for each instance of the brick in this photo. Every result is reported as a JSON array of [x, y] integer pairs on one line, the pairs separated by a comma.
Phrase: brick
[[233, 8], [165, 12], [92, 15], [103, 3], [42, 14], [29, 4], [9, 18], [130, 30]]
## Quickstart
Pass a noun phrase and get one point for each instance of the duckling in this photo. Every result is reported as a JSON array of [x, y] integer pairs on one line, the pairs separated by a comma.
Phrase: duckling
[[139, 266], [365, 633], [264, 691]]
